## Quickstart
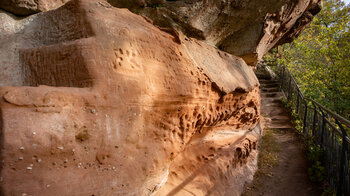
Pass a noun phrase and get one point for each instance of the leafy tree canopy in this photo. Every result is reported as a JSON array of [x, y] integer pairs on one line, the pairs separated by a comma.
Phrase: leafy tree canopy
[[319, 58]]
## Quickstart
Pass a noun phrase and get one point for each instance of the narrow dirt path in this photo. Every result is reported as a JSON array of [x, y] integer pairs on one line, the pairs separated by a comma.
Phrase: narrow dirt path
[[283, 164]]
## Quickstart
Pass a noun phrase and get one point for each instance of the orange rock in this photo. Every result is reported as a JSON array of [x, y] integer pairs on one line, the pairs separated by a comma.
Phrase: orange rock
[[122, 107]]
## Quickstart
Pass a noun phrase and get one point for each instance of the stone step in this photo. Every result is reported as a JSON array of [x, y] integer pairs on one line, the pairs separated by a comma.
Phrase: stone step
[[271, 94], [275, 111], [269, 82], [267, 100], [264, 79], [283, 130], [281, 121], [262, 76], [273, 85], [268, 105], [280, 126], [281, 117], [278, 118], [275, 116], [271, 105], [273, 89]]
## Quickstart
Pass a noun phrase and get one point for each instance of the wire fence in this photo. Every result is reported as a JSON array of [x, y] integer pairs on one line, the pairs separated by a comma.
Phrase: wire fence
[[325, 128]]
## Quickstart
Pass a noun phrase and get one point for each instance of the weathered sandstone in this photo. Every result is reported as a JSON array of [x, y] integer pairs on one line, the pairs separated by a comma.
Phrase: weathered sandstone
[[245, 28], [95, 100], [27, 7]]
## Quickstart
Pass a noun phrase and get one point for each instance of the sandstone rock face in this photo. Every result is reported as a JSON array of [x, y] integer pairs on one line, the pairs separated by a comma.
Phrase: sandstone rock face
[[27, 7], [95, 100], [246, 28]]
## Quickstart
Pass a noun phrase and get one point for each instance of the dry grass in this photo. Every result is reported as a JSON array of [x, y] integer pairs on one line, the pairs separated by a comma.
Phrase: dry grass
[[268, 158], [268, 153]]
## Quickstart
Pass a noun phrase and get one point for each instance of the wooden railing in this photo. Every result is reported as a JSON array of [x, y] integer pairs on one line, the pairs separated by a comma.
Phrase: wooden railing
[[325, 128]]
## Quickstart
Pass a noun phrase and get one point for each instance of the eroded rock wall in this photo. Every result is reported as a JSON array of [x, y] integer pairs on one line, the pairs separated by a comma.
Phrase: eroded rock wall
[[245, 28], [96, 100], [27, 7]]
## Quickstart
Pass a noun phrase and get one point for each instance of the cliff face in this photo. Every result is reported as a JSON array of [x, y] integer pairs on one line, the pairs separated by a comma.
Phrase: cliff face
[[244, 28], [27, 7], [96, 100]]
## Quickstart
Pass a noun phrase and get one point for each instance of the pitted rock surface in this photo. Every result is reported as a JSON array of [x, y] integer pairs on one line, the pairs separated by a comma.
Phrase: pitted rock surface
[[245, 28], [96, 100]]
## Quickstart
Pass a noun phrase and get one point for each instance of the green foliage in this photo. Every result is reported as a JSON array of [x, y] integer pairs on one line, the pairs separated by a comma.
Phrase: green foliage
[[328, 192], [298, 124], [316, 172], [315, 155], [320, 58]]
